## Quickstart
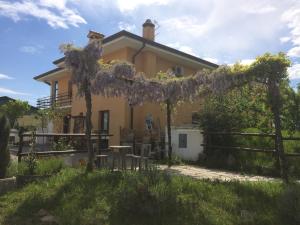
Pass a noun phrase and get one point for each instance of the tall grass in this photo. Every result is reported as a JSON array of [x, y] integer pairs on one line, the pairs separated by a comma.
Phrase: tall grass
[[133, 198]]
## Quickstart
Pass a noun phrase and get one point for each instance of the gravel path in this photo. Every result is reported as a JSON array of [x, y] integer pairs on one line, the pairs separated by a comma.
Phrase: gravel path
[[204, 173]]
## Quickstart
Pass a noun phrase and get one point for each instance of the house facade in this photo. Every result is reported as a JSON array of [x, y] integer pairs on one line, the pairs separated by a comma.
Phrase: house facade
[[112, 115]]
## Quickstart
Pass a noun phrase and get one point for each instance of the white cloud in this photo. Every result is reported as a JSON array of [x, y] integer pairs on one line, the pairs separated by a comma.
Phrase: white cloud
[[294, 71], [213, 60], [125, 5], [294, 52], [247, 61], [292, 18], [183, 48], [5, 77], [12, 92], [31, 49], [285, 39], [54, 12], [261, 7], [126, 26]]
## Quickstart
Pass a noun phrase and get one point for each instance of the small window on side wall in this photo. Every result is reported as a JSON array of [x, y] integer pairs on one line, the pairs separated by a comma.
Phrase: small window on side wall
[[177, 71], [182, 138]]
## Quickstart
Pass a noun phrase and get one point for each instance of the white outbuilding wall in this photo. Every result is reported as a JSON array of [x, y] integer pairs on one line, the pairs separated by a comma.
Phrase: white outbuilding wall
[[194, 139]]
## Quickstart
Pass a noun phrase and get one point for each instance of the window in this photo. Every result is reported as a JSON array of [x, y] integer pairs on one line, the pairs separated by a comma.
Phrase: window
[[55, 89], [182, 140], [195, 118], [178, 71], [104, 121]]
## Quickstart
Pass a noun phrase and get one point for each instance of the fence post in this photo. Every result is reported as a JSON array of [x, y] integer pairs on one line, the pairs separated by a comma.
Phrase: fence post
[[277, 165], [20, 149]]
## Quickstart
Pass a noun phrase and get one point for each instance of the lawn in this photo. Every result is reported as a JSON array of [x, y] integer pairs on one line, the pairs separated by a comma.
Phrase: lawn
[[103, 197]]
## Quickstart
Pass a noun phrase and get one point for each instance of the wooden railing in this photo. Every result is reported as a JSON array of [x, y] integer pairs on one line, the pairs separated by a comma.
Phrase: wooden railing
[[207, 144], [61, 100], [96, 137]]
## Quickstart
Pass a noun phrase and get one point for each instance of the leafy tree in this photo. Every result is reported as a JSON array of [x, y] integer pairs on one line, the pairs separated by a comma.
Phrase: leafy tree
[[14, 109], [84, 65], [4, 151]]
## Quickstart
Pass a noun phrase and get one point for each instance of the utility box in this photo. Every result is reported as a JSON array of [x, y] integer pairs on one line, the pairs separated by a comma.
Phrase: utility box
[[186, 142]]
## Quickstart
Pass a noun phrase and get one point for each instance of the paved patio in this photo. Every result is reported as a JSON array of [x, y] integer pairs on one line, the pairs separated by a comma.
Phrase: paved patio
[[204, 173]]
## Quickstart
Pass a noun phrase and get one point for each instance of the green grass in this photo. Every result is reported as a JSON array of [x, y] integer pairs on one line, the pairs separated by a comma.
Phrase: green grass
[[255, 162], [46, 166], [137, 198]]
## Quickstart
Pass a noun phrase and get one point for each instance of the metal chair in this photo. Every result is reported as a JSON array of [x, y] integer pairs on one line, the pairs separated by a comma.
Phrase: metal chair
[[143, 158], [102, 161]]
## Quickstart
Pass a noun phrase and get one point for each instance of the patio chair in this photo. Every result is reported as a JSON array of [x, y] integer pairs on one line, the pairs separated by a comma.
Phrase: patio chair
[[102, 161], [143, 158]]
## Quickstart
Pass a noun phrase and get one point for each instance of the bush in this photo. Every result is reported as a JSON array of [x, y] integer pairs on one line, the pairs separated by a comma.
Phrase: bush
[[43, 167], [4, 151], [12, 169], [61, 145]]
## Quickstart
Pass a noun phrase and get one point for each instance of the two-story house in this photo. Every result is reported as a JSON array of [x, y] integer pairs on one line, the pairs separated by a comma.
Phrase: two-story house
[[113, 114]]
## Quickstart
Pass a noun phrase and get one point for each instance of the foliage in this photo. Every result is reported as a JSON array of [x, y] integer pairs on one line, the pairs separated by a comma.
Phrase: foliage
[[14, 109], [50, 114], [252, 162], [61, 145], [12, 169], [4, 151], [238, 109], [46, 166], [84, 65], [31, 163], [145, 198]]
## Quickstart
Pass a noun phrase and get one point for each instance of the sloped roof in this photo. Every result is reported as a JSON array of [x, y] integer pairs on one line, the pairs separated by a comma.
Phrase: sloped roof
[[152, 43]]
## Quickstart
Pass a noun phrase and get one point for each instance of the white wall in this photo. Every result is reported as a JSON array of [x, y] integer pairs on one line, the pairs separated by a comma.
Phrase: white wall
[[194, 141]]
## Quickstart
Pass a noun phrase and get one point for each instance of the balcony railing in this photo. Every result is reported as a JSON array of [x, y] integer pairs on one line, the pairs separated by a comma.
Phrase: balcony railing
[[61, 100]]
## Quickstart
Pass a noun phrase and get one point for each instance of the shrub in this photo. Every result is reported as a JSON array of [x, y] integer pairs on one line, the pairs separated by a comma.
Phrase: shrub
[[31, 163], [42, 167], [61, 145], [12, 169], [4, 151]]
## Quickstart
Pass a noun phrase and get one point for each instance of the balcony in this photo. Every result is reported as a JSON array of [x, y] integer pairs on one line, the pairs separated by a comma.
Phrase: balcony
[[61, 100]]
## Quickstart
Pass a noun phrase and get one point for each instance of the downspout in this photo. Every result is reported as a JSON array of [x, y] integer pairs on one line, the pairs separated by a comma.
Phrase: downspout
[[133, 62]]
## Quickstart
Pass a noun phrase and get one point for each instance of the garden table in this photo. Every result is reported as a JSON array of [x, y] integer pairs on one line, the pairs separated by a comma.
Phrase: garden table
[[119, 152]]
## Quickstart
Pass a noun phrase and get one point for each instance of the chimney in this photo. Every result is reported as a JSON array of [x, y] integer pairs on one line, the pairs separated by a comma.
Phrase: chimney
[[92, 35], [149, 30]]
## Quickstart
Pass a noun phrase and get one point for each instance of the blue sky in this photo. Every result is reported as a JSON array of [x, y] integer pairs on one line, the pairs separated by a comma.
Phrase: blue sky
[[222, 31]]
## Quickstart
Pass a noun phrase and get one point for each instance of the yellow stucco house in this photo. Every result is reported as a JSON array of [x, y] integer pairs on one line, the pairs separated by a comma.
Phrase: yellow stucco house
[[113, 115]]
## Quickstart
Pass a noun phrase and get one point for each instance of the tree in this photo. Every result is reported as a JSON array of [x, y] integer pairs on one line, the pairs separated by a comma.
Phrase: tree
[[83, 64], [120, 80], [4, 151], [14, 109], [95, 77], [272, 71]]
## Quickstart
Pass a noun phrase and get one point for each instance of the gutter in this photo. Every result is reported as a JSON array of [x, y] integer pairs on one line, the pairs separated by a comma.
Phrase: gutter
[[138, 52], [133, 62]]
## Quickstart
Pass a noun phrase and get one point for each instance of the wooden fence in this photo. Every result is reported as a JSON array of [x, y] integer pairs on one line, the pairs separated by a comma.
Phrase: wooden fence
[[95, 136], [209, 145]]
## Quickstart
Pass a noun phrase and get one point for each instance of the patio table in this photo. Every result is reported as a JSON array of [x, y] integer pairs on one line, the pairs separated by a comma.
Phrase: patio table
[[119, 152]]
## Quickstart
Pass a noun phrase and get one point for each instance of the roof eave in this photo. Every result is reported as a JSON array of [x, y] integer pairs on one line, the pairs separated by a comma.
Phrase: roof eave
[[152, 43]]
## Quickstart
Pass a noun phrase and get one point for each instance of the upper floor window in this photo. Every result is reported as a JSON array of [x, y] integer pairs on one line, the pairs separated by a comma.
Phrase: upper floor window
[[178, 71], [55, 89]]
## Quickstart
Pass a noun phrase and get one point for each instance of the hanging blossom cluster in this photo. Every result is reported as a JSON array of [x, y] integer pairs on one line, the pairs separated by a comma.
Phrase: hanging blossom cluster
[[120, 79], [82, 62]]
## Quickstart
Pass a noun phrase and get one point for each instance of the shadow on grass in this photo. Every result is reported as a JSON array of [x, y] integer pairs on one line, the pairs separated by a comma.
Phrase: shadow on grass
[[133, 198]]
